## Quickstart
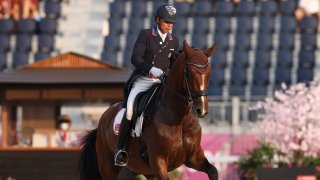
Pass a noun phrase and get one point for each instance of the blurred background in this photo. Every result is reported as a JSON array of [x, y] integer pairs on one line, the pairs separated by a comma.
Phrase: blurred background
[[66, 61]]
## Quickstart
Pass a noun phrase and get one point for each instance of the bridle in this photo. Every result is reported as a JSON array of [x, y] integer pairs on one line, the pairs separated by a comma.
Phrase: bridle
[[187, 76], [196, 94]]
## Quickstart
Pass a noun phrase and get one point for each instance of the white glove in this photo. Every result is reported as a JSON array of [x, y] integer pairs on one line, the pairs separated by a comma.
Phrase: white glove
[[156, 72]]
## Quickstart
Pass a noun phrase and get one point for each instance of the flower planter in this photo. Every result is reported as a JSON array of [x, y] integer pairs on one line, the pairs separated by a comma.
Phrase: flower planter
[[287, 173]]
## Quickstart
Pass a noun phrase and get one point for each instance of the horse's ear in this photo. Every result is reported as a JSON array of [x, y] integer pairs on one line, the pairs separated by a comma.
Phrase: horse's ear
[[187, 49], [211, 50]]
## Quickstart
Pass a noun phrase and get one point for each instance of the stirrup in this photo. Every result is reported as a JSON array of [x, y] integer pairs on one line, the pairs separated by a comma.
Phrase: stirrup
[[121, 158]]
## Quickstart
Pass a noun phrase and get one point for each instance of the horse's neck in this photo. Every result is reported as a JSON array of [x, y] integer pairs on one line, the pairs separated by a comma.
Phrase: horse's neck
[[173, 96]]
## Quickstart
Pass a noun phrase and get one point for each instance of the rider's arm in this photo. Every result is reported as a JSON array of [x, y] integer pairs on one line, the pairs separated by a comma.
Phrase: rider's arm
[[138, 53]]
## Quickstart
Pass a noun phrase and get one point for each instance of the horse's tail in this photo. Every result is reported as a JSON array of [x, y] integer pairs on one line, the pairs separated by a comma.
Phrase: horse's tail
[[88, 164]]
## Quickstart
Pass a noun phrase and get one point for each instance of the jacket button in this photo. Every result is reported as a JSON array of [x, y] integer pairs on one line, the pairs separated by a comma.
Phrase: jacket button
[[152, 62], [160, 50]]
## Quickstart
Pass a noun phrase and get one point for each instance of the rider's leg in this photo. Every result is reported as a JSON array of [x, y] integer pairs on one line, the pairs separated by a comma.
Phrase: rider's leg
[[121, 156], [141, 84]]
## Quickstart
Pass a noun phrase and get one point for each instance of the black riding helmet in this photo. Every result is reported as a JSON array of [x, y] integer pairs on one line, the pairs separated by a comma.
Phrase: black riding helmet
[[167, 13]]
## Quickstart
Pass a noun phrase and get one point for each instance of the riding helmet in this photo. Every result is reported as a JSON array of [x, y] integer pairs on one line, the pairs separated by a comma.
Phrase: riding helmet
[[167, 12]]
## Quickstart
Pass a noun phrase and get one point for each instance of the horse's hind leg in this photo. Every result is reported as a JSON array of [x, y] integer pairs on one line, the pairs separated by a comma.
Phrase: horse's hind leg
[[199, 162]]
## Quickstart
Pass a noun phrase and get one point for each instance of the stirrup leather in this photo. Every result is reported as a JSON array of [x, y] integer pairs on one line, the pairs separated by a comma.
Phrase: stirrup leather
[[121, 158]]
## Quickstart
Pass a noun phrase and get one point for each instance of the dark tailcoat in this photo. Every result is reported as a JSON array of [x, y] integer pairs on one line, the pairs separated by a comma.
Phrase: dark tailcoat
[[150, 51]]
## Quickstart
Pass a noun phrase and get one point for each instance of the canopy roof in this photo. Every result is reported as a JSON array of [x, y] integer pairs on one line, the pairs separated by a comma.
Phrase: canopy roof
[[66, 68]]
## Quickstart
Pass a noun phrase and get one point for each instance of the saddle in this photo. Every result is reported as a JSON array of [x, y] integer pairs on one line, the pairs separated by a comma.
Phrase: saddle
[[142, 110], [145, 101]]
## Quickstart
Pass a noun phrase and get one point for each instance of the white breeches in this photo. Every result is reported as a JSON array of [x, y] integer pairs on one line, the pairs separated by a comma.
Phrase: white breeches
[[141, 84]]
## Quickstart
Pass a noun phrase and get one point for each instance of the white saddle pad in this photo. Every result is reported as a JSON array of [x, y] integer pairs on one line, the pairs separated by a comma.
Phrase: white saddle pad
[[136, 132]]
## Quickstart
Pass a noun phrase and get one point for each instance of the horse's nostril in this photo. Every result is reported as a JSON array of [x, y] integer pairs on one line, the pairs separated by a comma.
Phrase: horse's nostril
[[198, 110]]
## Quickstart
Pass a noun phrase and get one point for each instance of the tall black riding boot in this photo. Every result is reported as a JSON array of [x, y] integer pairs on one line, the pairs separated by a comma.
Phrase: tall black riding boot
[[121, 156]]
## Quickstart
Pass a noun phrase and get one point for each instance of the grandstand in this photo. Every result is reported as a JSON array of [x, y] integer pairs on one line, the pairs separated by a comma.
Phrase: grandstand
[[260, 44]]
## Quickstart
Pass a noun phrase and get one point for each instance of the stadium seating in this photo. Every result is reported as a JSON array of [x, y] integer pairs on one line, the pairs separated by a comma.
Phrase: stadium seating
[[260, 82], [138, 9], [218, 60], [288, 24], [255, 39], [52, 9], [224, 8], [243, 42], [305, 74], [306, 59], [20, 58], [222, 40], [23, 43], [48, 26], [262, 59], [308, 41], [180, 27], [202, 8], [287, 8], [202, 26], [268, 8], [3, 61], [26, 26], [40, 56], [111, 43], [223, 25], [138, 25], [244, 24], [184, 8], [245, 8], [240, 59], [286, 41], [117, 9], [266, 24], [116, 26], [109, 57], [6, 26], [284, 59], [283, 75], [4, 43], [45, 43], [199, 42]]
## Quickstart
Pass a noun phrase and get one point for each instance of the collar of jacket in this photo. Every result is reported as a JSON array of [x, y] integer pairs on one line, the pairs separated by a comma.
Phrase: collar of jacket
[[155, 33]]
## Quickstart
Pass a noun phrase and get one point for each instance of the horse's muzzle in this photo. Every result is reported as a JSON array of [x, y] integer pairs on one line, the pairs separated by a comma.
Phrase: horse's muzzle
[[200, 111], [200, 104]]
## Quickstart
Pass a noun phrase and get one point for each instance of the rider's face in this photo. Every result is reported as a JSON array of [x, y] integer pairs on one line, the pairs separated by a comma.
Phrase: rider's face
[[164, 26]]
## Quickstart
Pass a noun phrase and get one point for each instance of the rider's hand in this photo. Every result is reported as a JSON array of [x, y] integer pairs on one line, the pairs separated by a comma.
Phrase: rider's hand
[[156, 72]]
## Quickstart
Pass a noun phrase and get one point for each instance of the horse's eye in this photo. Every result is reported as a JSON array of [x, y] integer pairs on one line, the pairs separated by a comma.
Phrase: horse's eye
[[189, 75]]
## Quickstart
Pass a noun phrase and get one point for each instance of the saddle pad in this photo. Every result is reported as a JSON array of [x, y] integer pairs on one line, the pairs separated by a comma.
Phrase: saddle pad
[[136, 131]]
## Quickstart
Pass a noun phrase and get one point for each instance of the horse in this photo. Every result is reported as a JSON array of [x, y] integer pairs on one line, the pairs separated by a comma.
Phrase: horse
[[173, 133]]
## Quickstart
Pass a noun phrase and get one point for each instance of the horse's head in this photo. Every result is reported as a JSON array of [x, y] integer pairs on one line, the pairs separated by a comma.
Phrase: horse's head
[[197, 73]]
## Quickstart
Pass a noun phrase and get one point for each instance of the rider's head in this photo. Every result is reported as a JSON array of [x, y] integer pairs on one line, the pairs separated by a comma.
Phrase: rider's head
[[165, 17]]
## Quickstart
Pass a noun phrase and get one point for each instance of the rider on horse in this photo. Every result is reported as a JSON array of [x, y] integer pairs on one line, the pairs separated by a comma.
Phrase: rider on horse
[[153, 53]]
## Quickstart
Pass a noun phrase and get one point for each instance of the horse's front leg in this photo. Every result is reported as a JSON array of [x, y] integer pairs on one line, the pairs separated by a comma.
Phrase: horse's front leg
[[199, 162], [160, 168]]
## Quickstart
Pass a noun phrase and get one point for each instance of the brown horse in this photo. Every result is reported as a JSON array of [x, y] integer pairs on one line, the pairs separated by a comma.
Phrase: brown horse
[[173, 133]]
